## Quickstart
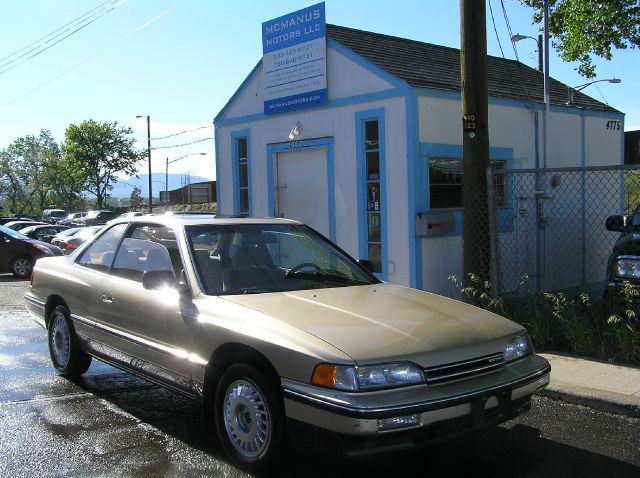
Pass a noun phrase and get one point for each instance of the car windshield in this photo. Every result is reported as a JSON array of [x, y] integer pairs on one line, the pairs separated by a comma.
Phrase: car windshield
[[12, 233], [258, 258], [69, 232]]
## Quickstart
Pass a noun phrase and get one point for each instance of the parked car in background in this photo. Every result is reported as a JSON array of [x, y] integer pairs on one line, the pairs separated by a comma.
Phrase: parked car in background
[[282, 337], [42, 232], [623, 265], [72, 219], [95, 218], [126, 215], [52, 216], [55, 240], [18, 253], [21, 224], [69, 244]]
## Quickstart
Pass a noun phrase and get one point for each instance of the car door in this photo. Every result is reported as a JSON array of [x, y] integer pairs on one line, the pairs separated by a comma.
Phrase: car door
[[148, 326]]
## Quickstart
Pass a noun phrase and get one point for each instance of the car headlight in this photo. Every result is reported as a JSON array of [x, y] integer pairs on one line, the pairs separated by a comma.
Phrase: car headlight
[[367, 377], [43, 249], [517, 348], [627, 266]]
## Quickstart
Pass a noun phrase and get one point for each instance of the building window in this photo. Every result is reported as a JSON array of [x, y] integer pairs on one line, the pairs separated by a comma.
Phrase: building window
[[372, 180], [242, 184], [445, 182]]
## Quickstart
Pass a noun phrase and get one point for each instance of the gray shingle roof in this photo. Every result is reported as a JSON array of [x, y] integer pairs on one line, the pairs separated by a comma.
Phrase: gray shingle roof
[[424, 65]]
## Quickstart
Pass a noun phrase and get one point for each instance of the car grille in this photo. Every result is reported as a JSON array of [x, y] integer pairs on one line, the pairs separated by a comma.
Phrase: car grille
[[464, 369]]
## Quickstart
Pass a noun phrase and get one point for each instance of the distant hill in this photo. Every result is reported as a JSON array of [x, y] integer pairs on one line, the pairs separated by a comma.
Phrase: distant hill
[[123, 188]]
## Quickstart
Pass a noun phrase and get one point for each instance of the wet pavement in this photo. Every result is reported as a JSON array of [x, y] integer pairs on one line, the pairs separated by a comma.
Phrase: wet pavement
[[110, 423]]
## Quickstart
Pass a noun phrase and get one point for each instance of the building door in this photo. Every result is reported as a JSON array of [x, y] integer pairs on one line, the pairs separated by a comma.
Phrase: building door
[[301, 187]]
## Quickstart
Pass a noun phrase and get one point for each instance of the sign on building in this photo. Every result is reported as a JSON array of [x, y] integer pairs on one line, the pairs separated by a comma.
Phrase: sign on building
[[294, 60]]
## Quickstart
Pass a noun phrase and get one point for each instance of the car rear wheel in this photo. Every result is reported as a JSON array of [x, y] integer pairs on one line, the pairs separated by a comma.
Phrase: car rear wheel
[[21, 266], [249, 418], [67, 357]]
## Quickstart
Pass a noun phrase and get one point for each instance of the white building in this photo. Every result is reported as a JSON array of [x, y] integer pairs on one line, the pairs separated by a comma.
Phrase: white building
[[379, 163]]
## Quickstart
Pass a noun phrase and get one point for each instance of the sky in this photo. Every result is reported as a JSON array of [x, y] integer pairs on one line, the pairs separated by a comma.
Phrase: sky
[[180, 61]]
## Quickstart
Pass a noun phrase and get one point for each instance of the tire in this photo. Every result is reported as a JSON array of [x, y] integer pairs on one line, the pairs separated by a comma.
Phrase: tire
[[22, 266], [249, 418], [67, 357]]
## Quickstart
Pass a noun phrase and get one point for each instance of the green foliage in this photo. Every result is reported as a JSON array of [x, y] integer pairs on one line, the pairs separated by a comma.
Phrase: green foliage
[[100, 150], [26, 173], [574, 324], [631, 190], [212, 208], [581, 29], [136, 199]]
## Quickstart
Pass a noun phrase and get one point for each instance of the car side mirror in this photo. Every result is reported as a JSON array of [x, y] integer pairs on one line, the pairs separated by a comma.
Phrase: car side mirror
[[367, 264], [154, 280], [615, 223]]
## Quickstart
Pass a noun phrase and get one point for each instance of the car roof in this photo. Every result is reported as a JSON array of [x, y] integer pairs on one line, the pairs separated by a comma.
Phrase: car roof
[[176, 219]]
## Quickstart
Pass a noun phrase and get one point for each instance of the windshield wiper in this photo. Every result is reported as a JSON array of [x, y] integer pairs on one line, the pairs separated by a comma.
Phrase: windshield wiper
[[325, 277]]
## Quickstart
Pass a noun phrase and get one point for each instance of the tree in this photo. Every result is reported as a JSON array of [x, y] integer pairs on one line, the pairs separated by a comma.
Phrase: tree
[[101, 150], [26, 172], [581, 29], [136, 199]]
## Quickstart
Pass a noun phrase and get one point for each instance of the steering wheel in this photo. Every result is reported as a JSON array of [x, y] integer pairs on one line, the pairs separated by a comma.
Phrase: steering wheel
[[301, 266]]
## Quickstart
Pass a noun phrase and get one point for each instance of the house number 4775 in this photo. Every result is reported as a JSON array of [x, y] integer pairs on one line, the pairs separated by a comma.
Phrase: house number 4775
[[614, 125]]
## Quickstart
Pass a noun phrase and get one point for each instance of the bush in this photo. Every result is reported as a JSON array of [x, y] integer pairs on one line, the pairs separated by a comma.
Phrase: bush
[[568, 323]]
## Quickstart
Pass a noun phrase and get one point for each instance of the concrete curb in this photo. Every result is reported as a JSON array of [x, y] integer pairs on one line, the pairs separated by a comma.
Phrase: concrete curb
[[596, 399], [594, 384]]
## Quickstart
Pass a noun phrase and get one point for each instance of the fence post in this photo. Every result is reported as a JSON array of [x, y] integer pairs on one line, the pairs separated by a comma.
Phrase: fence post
[[493, 234]]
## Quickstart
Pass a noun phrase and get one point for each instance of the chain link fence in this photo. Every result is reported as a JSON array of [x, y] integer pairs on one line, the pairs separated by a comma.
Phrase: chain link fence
[[547, 226]]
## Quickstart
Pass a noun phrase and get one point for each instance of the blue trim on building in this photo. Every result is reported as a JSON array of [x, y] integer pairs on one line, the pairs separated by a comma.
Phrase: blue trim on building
[[317, 143], [235, 136], [367, 65], [216, 143], [361, 117], [414, 192], [238, 92], [333, 103]]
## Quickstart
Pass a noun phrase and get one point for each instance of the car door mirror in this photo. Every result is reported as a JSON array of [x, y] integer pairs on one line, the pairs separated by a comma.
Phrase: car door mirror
[[615, 223], [154, 280]]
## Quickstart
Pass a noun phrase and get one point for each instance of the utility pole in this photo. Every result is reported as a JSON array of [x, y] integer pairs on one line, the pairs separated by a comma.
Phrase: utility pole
[[475, 118]]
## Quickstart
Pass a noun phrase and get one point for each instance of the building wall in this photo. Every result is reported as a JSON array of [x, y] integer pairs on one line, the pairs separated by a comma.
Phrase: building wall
[[335, 122]]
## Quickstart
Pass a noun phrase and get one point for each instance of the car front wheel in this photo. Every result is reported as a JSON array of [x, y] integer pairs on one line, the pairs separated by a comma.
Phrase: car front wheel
[[249, 418], [67, 357], [21, 266]]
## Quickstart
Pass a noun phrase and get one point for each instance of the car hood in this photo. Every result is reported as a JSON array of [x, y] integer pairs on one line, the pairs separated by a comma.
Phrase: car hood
[[386, 321], [628, 244]]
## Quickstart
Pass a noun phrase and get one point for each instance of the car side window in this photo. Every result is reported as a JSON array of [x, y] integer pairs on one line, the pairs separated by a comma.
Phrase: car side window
[[146, 248], [99, 255]]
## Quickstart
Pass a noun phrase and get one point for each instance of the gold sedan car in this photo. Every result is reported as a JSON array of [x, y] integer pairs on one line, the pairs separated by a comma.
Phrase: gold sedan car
[[284, 338]]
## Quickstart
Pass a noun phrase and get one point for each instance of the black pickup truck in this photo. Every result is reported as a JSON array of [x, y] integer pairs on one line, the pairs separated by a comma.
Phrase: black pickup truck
[[624, 262]]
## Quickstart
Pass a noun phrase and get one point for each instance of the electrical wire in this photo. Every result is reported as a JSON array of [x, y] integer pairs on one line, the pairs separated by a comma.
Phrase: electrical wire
[[530, 103], [90, 12], [182, 132], [42, 48], [86, 60], [184, 144], [495, 29]]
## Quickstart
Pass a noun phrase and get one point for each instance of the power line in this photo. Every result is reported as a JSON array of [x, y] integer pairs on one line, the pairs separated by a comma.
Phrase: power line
[[184, 144], [44, 47], [55, 31], [86, 60], [182, 132]]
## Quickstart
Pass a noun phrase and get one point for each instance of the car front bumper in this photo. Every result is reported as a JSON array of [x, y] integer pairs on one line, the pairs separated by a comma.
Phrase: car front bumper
[[350, 423]]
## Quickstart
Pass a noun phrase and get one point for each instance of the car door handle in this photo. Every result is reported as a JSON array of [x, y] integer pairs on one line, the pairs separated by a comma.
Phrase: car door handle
[[107, 298]]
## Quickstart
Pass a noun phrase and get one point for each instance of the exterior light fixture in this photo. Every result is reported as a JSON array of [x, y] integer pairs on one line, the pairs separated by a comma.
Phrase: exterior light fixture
[[295, 131], [517, 37], [571, 90]]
